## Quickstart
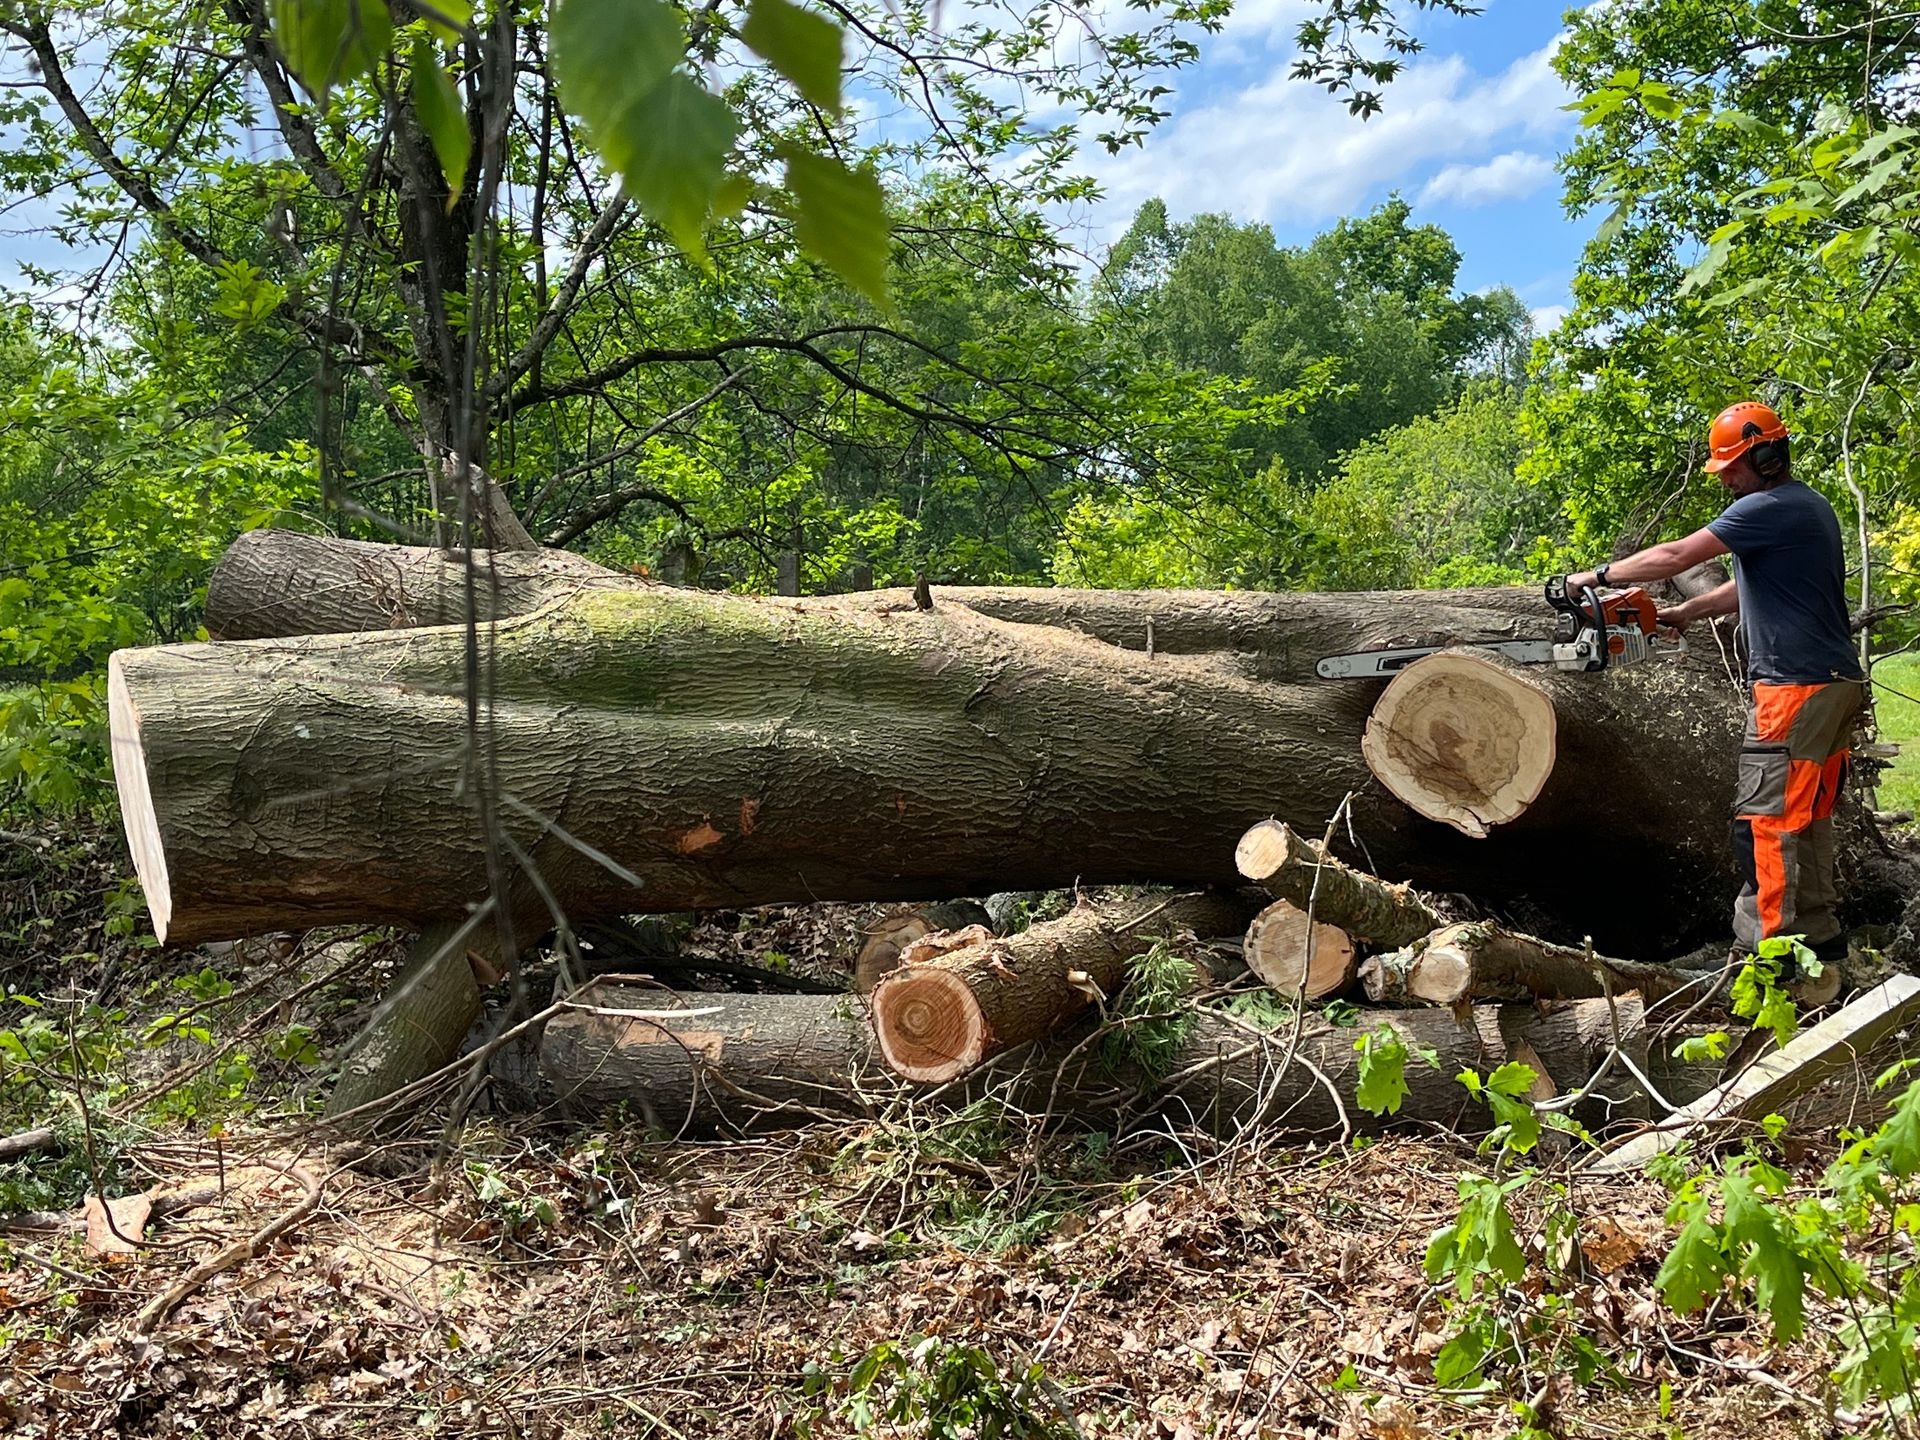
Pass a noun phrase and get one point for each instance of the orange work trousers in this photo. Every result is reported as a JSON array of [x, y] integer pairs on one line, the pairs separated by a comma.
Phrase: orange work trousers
[[1793, 763]]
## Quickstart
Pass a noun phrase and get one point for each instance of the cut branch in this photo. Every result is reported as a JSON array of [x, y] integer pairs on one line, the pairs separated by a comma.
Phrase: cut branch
[[1480, 961], [942, 1018], [1296, 870], [1295, 956]]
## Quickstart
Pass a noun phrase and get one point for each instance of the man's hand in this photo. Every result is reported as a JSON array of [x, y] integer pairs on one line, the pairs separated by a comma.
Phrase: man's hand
[[1674, 617], [1585, 580]]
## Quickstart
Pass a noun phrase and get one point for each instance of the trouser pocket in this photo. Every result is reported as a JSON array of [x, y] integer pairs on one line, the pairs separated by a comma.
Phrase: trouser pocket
[[1760, 784]]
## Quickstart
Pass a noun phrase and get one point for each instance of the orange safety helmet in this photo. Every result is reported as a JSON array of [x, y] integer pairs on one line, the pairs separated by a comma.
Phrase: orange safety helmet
[[1737, 429]]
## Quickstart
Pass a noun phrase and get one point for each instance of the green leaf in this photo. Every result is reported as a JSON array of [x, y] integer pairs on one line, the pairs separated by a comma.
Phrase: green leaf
[[329, 42], [606, 56], [1382, 1083], [1513, 1078], [445, 18], [801, 44], [840, 216], [1694, 1267], [1897, 1143], [664, 135], [1768, 1257], [1461, 1358], [1699, 1048], [673, 160], [437, 103]]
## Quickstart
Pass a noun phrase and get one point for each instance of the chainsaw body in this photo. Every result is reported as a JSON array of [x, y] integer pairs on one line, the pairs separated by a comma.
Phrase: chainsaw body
[[1591, 632]]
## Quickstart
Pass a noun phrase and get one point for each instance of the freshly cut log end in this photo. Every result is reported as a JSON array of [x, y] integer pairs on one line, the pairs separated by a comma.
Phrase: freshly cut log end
[[1264, 850], [136, 799], [888, 938], [1298, 956], [1462, 738], [929, 1025]]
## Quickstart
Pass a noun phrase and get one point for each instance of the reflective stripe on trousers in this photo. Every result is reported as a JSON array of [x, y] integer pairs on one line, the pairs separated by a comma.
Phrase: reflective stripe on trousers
[[1793, 763]]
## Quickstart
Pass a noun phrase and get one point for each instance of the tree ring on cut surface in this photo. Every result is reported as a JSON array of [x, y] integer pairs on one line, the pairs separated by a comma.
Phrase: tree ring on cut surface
[[1462, 738]]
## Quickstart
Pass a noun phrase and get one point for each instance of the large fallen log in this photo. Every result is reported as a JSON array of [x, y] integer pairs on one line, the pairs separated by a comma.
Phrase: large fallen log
[[939, 1019], [282, 584], [1296, 870], [746, 1062], [723, 751], [1480, 961]]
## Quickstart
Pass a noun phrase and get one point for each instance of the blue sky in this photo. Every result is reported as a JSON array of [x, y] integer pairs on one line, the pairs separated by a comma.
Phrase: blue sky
[[1469, 134]]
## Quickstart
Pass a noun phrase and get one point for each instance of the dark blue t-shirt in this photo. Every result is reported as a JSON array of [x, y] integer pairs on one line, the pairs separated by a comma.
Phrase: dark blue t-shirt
[[1793, 575]]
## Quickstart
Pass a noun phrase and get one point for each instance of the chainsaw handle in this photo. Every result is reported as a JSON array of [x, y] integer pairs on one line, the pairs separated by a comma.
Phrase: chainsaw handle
[[1599, 617], [1588, 614]]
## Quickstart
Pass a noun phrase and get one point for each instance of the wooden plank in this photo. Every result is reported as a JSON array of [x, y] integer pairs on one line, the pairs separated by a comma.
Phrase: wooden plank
[[1812, 1056]]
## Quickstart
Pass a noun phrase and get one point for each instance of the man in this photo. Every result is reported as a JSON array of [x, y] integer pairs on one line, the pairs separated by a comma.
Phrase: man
[[1808, 688]]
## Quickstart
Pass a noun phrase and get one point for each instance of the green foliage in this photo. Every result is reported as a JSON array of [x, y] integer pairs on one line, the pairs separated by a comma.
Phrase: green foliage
[[1757, 994], [801, 44], [941, 1389], [1153, 1019], [1382, 1081], [1507, 1093]]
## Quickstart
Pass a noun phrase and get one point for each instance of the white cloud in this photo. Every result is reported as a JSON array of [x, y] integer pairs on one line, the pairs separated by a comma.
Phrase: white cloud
[[1512, 176], [1284, 151], [1547, 318]]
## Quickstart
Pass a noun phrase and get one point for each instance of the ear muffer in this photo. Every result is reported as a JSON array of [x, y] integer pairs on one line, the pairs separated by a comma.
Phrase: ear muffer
[[1769, 457]]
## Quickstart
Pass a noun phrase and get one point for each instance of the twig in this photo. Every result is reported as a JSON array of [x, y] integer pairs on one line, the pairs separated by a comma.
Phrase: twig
[[162, 1305]]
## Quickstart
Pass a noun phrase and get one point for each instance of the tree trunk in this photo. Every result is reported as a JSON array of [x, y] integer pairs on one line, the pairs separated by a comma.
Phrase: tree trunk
[[756, 1062], [1295, 870], [939, 1019], [1293, 955], [724, 751], [279, 582], [892, 933], [1480, 961], [1464, 739], [419, 1025]]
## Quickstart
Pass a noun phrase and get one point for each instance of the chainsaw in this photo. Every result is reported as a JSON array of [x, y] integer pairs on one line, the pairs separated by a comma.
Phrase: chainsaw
[[1591, 632]]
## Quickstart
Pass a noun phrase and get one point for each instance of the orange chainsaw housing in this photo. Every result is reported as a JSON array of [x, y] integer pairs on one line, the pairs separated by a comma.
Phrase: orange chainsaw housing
[[1627, 610]]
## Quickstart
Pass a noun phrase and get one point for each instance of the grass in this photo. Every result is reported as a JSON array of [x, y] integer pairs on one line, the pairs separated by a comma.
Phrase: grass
[[1899, 715]]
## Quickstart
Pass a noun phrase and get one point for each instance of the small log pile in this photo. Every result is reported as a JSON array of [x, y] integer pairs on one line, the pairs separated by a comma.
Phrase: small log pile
[[638, 750]]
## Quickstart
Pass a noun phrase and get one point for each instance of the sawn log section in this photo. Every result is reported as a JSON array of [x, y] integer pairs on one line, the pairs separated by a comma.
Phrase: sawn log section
[[941, 1018], [770, 1061]]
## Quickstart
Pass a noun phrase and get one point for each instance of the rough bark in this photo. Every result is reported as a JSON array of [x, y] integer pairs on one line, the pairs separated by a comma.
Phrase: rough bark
[[1295, 870], [1481, 961], [942, 1018], [279, 582], [726, 751], [755, 1062], [1294, 955], [426, 1013], [1464, 739], [892, 933]]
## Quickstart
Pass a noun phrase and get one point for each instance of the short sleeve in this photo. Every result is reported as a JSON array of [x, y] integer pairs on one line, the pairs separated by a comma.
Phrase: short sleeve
[[1746, 525]]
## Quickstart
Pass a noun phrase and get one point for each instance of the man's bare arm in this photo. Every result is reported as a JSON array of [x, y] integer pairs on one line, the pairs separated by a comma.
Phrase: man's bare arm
[[1722, 600], [1656, 562]]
